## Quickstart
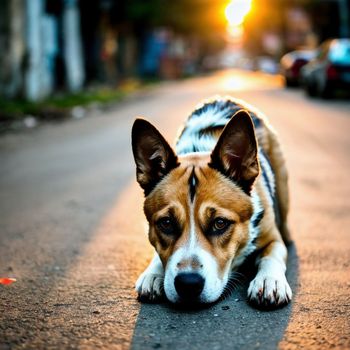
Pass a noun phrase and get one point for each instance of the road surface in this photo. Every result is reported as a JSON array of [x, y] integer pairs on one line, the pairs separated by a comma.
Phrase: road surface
[[73, 234]]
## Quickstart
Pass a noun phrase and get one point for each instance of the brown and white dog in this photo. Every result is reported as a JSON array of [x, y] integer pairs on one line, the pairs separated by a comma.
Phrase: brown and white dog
[[221, 197]]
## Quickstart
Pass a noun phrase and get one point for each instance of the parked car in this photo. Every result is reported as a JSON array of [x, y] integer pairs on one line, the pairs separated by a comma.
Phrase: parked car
[[329, 71], [291, 64]]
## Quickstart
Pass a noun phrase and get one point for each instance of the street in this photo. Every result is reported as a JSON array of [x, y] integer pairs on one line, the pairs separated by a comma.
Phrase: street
[[72, 230]]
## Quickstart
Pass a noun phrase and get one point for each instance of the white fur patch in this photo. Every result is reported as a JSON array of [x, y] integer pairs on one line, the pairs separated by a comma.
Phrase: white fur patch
[[191, 137], [268, 177]]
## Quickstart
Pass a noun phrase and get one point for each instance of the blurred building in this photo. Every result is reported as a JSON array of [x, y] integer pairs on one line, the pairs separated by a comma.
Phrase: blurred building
[[274, 27], [64, 45], [40, 45]]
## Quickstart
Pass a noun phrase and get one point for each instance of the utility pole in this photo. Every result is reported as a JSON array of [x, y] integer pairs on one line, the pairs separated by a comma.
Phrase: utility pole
[[72, 46], [33, 76]]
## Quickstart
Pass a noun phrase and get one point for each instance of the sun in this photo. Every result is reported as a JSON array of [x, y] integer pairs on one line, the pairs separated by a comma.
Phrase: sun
[[236, 10]]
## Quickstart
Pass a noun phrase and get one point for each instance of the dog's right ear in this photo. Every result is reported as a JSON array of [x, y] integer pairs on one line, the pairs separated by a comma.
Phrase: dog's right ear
[[154, 157], [236, 152]]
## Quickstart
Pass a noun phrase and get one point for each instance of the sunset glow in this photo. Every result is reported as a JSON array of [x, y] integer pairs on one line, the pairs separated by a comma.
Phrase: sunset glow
[[236, 10]]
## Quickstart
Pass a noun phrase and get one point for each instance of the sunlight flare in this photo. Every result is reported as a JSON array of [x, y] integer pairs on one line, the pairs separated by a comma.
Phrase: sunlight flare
[[236, 10]]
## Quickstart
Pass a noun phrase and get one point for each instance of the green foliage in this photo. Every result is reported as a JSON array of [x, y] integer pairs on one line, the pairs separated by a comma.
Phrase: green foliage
[[184, 16], [150, 12], [59, 105]]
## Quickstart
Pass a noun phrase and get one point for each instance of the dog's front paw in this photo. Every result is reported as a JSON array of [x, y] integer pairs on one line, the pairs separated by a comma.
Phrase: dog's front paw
[[269, 291], [149, 287]]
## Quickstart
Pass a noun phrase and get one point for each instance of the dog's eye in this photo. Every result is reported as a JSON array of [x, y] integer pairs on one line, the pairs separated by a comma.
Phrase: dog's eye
[[166, 225], [220, 225]]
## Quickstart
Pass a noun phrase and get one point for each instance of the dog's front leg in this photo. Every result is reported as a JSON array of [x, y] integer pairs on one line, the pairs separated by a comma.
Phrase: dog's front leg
[[149, 285], [270, 286]]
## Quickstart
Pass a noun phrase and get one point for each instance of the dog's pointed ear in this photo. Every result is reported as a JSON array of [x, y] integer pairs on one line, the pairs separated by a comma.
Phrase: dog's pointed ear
[[235, 154], [153, 156]]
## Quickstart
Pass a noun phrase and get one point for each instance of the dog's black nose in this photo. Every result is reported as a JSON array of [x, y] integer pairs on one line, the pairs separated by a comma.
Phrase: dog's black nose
[[189, 285]]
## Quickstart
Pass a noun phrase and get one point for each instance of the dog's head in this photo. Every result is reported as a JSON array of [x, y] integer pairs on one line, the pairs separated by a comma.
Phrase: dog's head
[[198, 206]]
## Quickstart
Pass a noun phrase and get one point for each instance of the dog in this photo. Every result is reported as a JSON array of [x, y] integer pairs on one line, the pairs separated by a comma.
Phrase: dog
[[221, 197]]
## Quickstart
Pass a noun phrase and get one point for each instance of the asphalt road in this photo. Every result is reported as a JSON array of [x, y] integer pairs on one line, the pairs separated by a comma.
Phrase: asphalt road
[[73, 234]]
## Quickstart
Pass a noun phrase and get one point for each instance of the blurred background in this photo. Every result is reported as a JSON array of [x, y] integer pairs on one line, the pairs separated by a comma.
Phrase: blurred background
[[50, 46], [71, 220]]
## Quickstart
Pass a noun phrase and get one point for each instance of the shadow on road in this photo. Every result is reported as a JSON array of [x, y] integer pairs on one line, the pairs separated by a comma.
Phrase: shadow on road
[[229, 324]]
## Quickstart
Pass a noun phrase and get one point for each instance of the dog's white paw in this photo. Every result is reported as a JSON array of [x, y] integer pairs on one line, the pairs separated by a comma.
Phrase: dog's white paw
[[269, 291], [149, 287], [150, 284]]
